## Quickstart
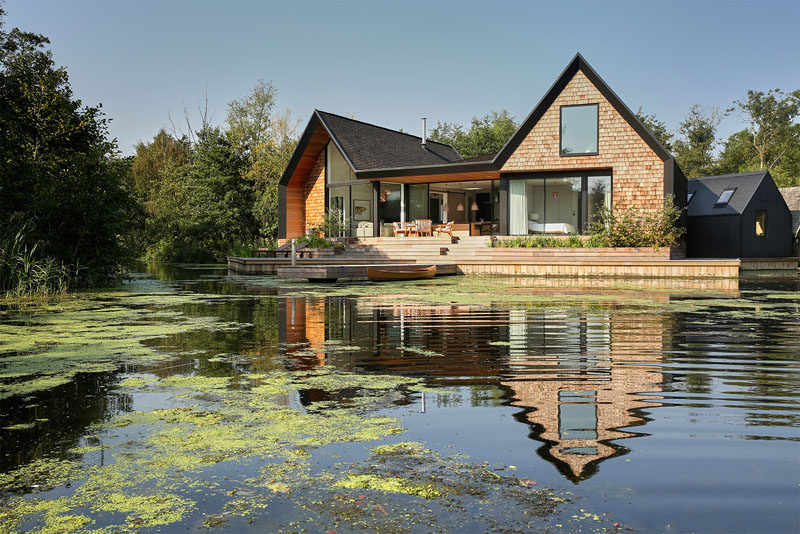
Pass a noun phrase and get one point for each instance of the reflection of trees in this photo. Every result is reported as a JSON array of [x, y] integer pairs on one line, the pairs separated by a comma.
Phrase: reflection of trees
[[63, 413]]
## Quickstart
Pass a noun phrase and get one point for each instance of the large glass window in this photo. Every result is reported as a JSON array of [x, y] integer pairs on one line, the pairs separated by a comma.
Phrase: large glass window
[[577, 415], [338, 168], [389, 207], [579, 130], [417, 202], [556, 205], [598, 189], [562, 212], [339, 198], [361, 210]]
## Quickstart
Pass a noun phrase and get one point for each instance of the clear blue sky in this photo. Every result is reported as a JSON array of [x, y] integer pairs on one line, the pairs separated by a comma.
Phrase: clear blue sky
[[391, 63]]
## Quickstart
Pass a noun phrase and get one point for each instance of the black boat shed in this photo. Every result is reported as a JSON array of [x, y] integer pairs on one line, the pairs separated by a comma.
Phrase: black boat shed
[[737, 216]]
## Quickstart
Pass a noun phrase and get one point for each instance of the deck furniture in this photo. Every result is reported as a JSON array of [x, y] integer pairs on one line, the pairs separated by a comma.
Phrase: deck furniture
[[424, 227], [285, 251], [400, 228], [444, 229], [411, 228]]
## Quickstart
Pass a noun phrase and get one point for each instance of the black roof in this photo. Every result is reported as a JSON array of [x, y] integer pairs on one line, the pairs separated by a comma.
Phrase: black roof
[[373, 147], [708, 189], [377, 152]]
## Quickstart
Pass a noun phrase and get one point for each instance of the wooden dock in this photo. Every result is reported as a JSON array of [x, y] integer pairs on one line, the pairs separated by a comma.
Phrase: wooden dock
[[331, 273]]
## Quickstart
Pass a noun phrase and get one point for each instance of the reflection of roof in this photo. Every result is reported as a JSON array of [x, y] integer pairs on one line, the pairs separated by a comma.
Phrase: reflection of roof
[[374, 147], [792, 197], [709, 188]]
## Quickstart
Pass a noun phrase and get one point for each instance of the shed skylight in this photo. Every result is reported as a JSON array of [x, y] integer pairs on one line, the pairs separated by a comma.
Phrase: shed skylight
[[725, 197], [689, 199]]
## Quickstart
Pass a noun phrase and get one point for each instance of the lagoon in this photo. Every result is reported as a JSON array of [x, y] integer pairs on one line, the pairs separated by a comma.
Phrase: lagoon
[[192, 399]]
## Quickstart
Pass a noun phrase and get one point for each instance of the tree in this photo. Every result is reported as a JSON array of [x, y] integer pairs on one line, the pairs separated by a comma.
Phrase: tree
[[772, 128], [694, 150], [266, 140], [154, 158], [657, 128], [486, 135], [202, 208], [738, 154], [57, 176]]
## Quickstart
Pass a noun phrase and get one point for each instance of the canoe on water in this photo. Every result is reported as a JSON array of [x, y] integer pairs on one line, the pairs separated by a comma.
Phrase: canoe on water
[[382, 275]]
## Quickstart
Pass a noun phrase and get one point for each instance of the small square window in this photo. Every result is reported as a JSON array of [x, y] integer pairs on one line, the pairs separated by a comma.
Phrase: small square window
[[725, 197], [689, 198], [579, 130], [761, 224]]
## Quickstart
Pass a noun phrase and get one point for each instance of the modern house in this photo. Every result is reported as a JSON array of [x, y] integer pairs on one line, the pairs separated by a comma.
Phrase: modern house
[[737, 216], [580, 149]]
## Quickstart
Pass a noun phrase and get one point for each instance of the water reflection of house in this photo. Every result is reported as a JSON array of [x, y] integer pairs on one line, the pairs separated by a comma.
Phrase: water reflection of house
[[301, 326], [580, 390]]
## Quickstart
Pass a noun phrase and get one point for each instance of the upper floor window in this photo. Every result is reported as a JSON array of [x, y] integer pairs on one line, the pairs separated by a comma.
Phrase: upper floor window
[[725, 197], [689, 198], [579, 130]]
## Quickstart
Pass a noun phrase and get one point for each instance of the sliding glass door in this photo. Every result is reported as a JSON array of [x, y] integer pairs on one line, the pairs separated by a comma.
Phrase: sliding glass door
[[556, 205]]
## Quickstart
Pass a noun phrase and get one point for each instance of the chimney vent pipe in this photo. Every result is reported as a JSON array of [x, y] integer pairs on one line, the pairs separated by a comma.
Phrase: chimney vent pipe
[[424, 132]]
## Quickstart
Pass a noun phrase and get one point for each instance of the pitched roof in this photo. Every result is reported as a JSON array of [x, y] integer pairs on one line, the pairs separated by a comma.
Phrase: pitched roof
[[373, 147], [377, 152], [792, 197], [579, 63], [708, 189]]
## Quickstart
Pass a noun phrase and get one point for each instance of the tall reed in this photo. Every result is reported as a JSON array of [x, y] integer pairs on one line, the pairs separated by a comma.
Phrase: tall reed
[[23, 272]]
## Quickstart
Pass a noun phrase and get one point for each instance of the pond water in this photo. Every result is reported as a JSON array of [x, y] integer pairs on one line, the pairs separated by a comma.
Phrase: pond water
[[195, 400]]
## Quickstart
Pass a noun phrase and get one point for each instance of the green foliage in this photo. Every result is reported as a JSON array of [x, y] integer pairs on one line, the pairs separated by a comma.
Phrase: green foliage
[[315, 241], [538, 241], [23, 272], [694, 150], [202, 208], [265, 140], [772, 139], [333, 224], [657, 128], [631, 227], [486, 135], [57, 168]]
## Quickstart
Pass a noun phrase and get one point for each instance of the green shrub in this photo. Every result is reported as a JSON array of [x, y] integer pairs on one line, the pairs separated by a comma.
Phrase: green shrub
[[24, 272], [631, 228]]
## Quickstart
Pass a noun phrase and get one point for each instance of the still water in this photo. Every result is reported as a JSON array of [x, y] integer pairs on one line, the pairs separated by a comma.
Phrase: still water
[[196, 400]]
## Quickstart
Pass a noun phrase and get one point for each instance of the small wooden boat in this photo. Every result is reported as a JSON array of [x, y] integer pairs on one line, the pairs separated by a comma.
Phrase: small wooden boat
[[384, 275]]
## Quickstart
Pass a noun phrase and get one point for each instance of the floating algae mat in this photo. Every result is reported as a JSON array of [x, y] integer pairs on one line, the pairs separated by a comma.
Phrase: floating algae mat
[[45, 348], [231, 450]]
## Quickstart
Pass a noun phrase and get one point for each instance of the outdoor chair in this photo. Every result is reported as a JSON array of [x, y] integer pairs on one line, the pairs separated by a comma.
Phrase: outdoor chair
[[445, 229], [399, 228], [424, 227]]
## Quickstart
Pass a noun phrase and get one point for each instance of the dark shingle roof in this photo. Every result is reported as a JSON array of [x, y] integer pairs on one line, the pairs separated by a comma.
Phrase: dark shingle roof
[[708, 189], [373, 147]]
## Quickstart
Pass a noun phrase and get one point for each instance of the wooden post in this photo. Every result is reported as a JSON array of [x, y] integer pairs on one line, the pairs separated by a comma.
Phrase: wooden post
[[294, 252]]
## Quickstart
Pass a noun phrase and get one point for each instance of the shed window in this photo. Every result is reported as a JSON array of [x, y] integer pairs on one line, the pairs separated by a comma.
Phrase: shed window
[[725, 197], [579, 130], [761, 224], [689, 198]]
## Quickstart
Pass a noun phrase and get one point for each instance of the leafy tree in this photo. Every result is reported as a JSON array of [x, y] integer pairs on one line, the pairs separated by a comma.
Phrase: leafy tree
[[657, 128], [154, 158], [486, 135], [773, 131], [694, 150], [58, 179], [738, 154], [266, 140], [202, 208]]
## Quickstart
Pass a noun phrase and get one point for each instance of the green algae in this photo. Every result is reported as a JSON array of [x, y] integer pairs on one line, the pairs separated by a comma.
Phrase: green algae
[[390, 485], [47, 347], [20, 426], [418, 350], [42, 474]]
